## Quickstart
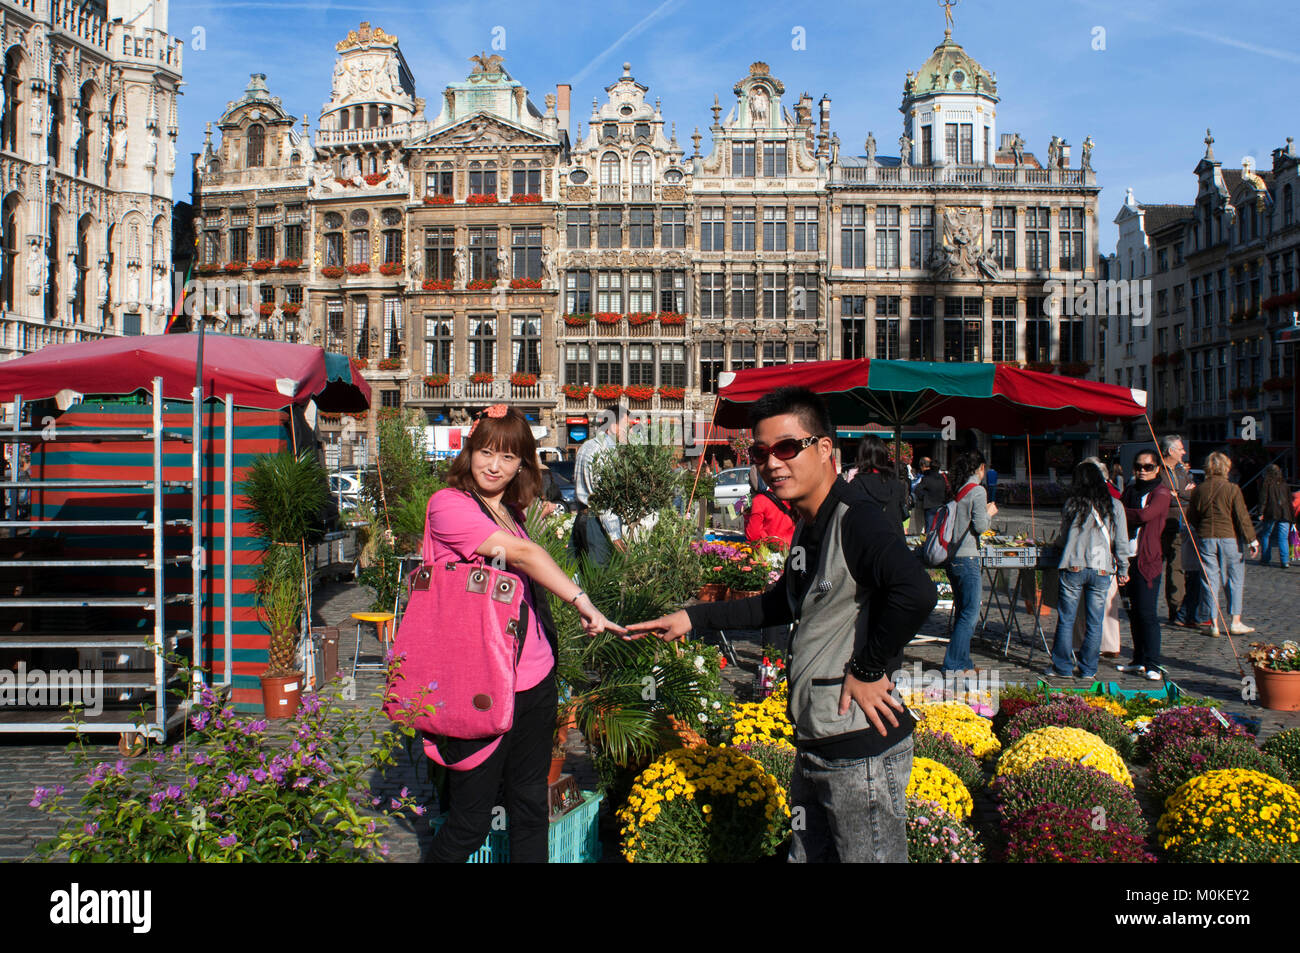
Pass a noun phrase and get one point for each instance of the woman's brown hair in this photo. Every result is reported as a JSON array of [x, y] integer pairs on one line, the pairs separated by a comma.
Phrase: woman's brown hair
[[1217, 464], [509, 434]]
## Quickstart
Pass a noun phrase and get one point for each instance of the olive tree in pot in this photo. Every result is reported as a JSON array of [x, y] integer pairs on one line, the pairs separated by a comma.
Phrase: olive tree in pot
[[285, 495]]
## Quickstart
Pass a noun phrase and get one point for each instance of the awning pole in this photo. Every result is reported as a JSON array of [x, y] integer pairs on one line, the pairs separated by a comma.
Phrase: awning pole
[[1029, 472], [708, 436]]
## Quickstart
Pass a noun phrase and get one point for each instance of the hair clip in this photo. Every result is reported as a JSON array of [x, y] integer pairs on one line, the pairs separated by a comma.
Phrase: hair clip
[[496, 412]]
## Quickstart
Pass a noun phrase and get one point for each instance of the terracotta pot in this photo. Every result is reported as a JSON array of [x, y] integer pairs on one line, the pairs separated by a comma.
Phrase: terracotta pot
[[1278, 691], [743, 593], [281, 694], [712, 592], [557, 769]]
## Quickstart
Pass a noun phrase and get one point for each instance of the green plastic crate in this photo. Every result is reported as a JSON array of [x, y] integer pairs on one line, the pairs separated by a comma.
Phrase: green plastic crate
[[573, 839], [1169, 692], [1096, 688]]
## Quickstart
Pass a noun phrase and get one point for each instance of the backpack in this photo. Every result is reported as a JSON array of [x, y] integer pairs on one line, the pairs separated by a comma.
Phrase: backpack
[[939, 544]]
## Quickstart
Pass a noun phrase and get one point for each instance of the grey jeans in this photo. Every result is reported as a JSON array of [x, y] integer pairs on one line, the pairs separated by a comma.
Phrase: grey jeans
[[851, 811]]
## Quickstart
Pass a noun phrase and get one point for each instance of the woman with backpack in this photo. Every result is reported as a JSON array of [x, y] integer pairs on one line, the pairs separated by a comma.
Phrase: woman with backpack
[[1275, 497], [973, 512], [769, 519], [877, 478], [481, 514], [1146, 507], [1094, 546]]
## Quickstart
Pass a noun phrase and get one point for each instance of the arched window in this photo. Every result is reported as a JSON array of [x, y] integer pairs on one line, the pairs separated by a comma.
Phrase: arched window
[[642, 168], [82, 132], [372, 119], [256, 147], [609, 169], [9, 226], [52, 283], [12, 86], [53, 139], [80, 310], [343, 119]]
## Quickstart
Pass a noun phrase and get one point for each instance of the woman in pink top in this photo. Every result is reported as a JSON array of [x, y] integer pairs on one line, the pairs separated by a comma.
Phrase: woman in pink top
[[480, 513]]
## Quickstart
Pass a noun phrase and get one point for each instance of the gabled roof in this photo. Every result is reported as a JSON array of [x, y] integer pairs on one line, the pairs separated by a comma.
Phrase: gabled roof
[[1157, 217]]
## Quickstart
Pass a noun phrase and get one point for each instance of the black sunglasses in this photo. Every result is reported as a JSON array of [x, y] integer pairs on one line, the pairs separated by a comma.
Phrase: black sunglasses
[[1145, 466], [786, 449]]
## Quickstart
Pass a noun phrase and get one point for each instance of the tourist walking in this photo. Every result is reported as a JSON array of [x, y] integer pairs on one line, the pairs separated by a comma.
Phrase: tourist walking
[[481, 513], [1146, 506], [931, 492], [963, 567], [1110, 629], [1178, 479], [1222, 524], [597, 533], [878, 479], [1094, 546], [857, 596], [1275, 499]]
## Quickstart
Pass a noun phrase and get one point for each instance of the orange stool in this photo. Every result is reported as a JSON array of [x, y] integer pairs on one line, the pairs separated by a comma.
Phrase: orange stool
[[384, 632]]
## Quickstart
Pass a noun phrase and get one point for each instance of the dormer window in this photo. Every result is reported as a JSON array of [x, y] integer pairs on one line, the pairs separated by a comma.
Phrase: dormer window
[[256, 146], [642, 130], [609, 132]]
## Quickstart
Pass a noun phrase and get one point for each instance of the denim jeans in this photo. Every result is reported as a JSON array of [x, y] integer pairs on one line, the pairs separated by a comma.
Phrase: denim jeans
[[1224, 564], [1279, 533], [851, 811], [1193, 610], [1092, 586], [967, 587], [1144, 597]]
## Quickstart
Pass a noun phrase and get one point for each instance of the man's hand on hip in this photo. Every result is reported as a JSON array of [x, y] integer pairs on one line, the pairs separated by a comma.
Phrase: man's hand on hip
[[874, 700]]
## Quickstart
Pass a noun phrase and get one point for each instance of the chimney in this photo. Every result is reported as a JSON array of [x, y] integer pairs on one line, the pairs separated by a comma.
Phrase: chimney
[[824, 129], [562, 92], [1065, 155]]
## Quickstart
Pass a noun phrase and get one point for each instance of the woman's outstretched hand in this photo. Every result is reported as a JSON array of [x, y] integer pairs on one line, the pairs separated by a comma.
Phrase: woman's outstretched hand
[[593, 620], [670, 628]]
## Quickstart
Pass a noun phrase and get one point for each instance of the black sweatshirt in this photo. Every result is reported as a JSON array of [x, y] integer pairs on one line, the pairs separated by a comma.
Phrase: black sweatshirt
[[903, 597]]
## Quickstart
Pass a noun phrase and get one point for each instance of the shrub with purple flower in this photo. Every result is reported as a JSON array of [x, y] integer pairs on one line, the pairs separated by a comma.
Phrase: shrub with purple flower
[[1054, 834], [936, 837], [231, 792], [1184, 758], [1070, 785], [1178, 724], [1071, 712]]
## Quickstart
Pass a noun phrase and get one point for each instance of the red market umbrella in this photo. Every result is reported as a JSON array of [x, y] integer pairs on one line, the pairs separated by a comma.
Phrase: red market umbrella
[[261, 374]]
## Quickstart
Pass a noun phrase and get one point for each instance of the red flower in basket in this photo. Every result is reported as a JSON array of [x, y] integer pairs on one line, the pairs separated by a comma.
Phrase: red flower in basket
[[436, 284], [332, 271], [439, 200], [671, 318], [391, 268], [266, 309], [489, 199], [264, 264], [639, 392], [359, 363], [518, 283], [609, 392], [576, 391], [523, 380], [390, 363], [672, 393], [481, 284], [577, 320], [235, 267], [374, 178], [481, 377], [289, 264], [639, 318], [359, 268], [292, 307], [525, 198], [436, 380], [608, 317]]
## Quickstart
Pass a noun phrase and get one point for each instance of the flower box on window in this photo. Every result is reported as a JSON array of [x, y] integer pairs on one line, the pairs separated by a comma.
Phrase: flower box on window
[[608, 318], [671, 318], [292, 307], [481, 284], [1177, 358], [263, 264], [1076, 369], [359, 268], [436, 380], [523, 380], [289, 264], [639, 392], [391, 268], [436, 284], [609, 392], [235, 267], [481, 377], [359, 363], [576, 391], [577, 320], [639, 318], [390, 364], [1045, 367], [332, 271], [328, 418], [209, 269], [522, 283], [1279, 383], [439, 200], [266, 309], [490, 199], [672, 393], [1159, 360], [525, 198], [346, 183], [374, 178]]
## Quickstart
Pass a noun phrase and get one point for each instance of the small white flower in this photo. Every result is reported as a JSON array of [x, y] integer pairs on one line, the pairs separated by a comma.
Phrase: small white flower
[[717, 705], [703, 717], [699, 662]]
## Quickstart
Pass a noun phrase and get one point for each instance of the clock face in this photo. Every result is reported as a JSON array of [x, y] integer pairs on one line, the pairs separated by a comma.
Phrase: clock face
[[958, 77], [578, 177]]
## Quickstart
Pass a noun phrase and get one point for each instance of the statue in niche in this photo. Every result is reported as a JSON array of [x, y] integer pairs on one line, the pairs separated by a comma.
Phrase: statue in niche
[[871, 149], [904, 150], [133, 285], [549, 266], [462, 266], [35, 261], [758, 106], [159, 303], [503, 263], [398, 177], [103, 283], [119, 146], [170, 167], [1054, 152]]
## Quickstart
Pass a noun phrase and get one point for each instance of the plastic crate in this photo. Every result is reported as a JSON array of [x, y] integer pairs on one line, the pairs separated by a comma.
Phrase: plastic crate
[[1169, 693], [1096, 688], [572, 839]]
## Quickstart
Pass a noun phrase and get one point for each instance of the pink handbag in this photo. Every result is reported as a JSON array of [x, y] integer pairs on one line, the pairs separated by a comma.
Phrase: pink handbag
[[455, 653]]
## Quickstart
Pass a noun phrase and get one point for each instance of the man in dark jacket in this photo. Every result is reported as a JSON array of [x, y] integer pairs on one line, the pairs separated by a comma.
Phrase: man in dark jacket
[[856, 597], [931, 492]]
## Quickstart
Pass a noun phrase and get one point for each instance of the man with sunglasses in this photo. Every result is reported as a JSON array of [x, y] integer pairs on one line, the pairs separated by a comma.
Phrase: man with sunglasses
[[856, 596]]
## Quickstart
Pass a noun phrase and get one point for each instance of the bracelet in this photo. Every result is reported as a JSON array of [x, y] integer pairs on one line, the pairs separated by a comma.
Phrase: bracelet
[[579, 595], [863, 674]]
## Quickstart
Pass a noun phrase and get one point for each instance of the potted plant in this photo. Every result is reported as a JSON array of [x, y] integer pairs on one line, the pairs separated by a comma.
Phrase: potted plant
[[481, 377], [577, 320], [285, 494], [332, 271], [390, 268], [1277, 674], [436, 284], [481, 284], [518, 284], [359, 268], [521, 379]]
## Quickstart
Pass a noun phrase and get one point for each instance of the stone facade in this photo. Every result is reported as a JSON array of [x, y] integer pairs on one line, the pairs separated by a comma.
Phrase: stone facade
[[87, 154]]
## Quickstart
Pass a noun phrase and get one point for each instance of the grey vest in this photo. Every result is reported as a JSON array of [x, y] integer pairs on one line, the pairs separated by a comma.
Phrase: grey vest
[[824, 638]]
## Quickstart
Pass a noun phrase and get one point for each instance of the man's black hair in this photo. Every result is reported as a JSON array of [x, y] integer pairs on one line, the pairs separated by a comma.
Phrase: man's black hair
[[800, 401]]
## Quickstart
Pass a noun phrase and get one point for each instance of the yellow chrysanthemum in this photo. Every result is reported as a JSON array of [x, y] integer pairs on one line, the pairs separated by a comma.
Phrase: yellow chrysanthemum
[[932, 781], [1070, 744], [1232, 802], [966, 726]]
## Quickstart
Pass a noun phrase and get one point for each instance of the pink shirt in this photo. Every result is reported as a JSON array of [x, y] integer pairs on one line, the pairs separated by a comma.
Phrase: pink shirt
[[455, 528]]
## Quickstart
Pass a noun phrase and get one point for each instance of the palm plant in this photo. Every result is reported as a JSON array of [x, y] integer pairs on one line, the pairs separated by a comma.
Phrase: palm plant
[[285, 495]]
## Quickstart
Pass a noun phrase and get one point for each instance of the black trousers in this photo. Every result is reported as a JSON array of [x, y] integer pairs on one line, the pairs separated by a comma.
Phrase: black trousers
[[1144, 596], [519, 766]]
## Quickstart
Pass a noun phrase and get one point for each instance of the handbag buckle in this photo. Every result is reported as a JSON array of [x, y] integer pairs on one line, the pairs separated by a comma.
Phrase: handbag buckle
[[421, 581], [477, 582], [504, 590]]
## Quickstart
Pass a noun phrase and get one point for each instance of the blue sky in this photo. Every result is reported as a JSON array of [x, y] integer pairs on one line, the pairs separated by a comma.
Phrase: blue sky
[[1168, 69]]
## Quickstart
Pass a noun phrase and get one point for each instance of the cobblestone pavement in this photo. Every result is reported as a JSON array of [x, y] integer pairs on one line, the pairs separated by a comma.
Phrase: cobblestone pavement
[[1198, 664]]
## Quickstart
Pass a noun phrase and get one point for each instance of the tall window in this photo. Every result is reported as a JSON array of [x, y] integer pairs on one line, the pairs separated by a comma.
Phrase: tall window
[[609, 364], [673, 228], [774, 352], [927, 145], [853, 326], [806, 294], [805, 228], [526, 252], [806, 351], [672, 291], [641, 365], [950, 143], [440, 182], [609, 228], [640, 291], [292, 295], [921, 334], [483, 254], [713, 295], [1288, 212], [712, 229], [239, 244], [773, 229], [1003, 225], [1038, 331], [774, 164], [967, 135], [577, 364], [672, 365], [212, 247], [482, 344], [393, 337], [1004, 329], [609, 291], [1036, 236], [440, 253], [482, 178], [359, 252], [526, 344], [333, 249], [577, 292], [335, 329], [743, 355], [361, 326], [81, 148], [962, 329], [1072, 338], [1071, 234], [712, 363], [13, 87], [256, 146], [266, 242], [610, 172], [54, 136], [742, 296], [642, 171], [742, 229], [921, 235], [293, 242], [853, 237], [641, 227], [526, 181], [887, 322], [742, 159], [82, 264], [774, 295], [578, 228], [887, 236]]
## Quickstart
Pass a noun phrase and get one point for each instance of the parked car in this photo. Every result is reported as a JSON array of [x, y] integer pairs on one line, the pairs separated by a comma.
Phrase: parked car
[[730, 486], [346, 489], [568, 502]]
